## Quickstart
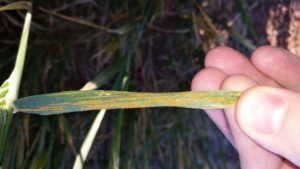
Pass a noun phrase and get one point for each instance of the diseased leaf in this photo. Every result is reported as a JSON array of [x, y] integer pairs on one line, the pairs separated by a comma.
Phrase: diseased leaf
[[74, 101]]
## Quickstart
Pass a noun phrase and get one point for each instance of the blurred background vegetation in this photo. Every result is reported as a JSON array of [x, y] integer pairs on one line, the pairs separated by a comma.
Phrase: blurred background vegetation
[[135, 45]]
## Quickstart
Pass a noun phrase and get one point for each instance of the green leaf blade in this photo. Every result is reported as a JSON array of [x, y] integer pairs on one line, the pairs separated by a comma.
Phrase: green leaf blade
[[74, 101]]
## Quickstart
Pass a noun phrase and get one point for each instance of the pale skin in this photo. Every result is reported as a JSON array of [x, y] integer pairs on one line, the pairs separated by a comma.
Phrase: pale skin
[[271, 84]]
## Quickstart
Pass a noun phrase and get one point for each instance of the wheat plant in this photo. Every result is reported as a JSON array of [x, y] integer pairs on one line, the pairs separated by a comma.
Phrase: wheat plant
[[88, 98]]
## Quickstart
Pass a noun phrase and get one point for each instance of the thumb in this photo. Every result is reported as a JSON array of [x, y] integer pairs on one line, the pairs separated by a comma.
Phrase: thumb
[[271, 117]]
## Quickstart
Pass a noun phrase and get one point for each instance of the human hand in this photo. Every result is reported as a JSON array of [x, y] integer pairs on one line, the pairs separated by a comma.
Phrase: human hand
[[264, 125]]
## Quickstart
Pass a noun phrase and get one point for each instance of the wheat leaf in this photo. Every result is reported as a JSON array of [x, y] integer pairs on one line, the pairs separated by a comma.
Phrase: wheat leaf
[[73, 101]]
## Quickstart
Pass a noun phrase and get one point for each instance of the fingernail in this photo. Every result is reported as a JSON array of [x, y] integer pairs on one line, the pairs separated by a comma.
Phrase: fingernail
[[263, 112]]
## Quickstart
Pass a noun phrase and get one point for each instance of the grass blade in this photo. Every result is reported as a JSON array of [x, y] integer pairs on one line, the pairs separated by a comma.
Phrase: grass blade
[[16, 6], [119, 31], [74, 101], [243, 40], [245, 17], [106, 75], [88, 141], [114, 162]]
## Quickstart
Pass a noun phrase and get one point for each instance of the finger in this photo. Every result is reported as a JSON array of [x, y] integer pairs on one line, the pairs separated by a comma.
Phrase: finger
[[287, 165], [278, 64], [251, 155], [271, 117], [232, 62], [211, 79]]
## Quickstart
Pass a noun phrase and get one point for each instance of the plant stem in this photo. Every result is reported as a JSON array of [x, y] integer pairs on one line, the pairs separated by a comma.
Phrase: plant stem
[[6, 112], [16, 75], [88, 141]]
